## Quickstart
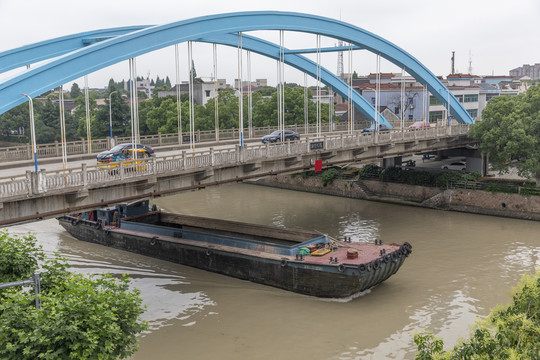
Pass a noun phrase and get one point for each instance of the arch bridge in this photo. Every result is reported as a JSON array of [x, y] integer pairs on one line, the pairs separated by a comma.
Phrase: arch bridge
[[38, 195]]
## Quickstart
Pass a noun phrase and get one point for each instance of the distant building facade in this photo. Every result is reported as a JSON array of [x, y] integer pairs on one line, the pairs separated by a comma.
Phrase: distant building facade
[[202, 92], [532, 71], [259, 83], [143, 85]]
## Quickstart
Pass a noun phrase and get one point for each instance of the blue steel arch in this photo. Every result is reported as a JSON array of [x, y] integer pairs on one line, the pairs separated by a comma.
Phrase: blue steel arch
[[103, 54], [44, 50], [41, 51]]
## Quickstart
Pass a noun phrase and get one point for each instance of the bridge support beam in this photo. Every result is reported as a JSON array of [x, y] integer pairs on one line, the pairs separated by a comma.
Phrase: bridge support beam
[[391, 162], [42, 195]]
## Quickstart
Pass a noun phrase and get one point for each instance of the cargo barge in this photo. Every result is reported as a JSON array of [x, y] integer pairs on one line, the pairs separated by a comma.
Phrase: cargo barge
[[296, 260]]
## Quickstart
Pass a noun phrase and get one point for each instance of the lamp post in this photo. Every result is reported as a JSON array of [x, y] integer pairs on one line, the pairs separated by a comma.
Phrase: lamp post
[[33, 130], [110, 112]]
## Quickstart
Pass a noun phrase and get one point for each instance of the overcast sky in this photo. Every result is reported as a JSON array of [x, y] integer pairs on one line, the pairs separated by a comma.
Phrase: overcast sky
[[499, 35]]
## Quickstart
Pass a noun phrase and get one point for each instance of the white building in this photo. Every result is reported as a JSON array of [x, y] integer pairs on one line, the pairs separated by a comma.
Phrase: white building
[[202, 92]]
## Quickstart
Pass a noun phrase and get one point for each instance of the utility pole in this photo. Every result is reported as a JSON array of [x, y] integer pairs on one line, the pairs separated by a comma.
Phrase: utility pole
[[453, 61]]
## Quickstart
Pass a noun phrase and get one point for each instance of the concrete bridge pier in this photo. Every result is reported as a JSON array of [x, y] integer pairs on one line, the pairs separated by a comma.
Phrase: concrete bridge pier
[[478, 162], [391, 162]]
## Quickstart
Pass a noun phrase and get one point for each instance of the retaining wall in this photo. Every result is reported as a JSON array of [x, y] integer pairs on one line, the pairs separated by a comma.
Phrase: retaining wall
[[470, 201]]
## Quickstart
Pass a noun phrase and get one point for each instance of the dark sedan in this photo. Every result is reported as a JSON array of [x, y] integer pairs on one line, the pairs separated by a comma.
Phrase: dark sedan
[[120, 149], [276, 136]]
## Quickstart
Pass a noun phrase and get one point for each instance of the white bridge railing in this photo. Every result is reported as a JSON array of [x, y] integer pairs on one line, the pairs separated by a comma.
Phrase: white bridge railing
[[73, 179]]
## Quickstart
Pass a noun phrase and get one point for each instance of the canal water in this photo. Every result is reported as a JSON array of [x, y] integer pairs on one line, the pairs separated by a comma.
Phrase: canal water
[[461, 266]]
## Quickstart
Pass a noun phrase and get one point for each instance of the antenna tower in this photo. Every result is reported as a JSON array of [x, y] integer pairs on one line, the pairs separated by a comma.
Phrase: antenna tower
[[453, 58], [470, 62]]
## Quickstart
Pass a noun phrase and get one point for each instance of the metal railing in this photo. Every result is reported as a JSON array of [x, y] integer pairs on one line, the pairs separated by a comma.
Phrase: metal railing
[[34, 280], [79, 147], [498, 187], [33, 183]]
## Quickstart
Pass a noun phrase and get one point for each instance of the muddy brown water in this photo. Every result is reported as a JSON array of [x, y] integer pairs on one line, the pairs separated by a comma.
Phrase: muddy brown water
[[461, 266]]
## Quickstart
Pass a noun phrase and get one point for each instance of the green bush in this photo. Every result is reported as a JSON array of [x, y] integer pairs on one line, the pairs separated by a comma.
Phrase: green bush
[[421, 178], [529, 190], [370, 170], [81, 317], [307, 174], [18, 258], [328, 176], [510, 332]]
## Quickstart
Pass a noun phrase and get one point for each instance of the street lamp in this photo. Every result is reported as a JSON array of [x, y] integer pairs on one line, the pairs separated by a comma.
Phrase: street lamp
[[110, 111], [33, 130]]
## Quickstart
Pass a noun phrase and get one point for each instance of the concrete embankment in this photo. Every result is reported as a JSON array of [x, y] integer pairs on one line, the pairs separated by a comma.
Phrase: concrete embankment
[[470, 201]]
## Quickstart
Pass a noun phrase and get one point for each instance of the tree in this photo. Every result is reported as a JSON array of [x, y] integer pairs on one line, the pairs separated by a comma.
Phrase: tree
[[510, 332], [193, 72], [15, 118], [81, 317], [79, 114], [75, 91], [510, 130], [355, 75], [47, 118], [121, 117]]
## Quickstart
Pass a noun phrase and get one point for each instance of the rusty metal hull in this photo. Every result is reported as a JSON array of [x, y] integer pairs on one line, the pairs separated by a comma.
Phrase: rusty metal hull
[[315, 278]]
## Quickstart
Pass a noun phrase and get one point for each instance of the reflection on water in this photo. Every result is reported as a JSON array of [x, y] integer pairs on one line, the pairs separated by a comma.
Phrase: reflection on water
[[461, 266]]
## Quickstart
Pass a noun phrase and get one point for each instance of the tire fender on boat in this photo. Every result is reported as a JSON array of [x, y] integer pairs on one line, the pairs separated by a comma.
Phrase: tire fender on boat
[[153, 240], [362, 267], [375, 264], [208, 252], [341, 268], [284, 262], [387, 258]]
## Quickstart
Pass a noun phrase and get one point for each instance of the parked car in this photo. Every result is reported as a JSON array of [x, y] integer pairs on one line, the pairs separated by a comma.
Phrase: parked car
[[276, 136], [124, 150], [371, 128], [459, 166], [419, 125]]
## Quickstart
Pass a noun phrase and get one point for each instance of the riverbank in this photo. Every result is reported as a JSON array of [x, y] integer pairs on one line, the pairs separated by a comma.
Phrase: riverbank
[[462, 200]]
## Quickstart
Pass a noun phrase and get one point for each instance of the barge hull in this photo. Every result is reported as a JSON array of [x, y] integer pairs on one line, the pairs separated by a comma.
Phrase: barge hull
[[306, 278]]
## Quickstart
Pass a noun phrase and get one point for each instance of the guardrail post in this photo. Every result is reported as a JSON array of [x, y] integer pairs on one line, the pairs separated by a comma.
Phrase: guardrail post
[[288, 147], [341, 140], [84, 178], [83, 146], [183, 159], [29, 182], [29, 154], [121, 168], [198, 139], [238, 150], [325, 142], [159, 139], [212, 156], [154, 166], [40, 182], [56, 148]]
